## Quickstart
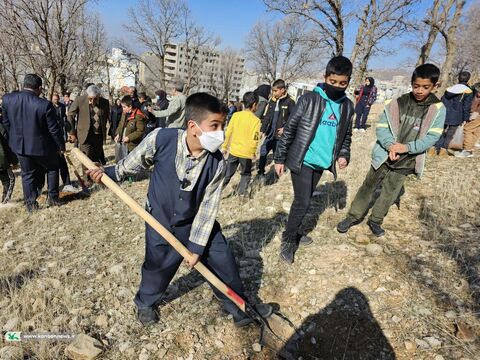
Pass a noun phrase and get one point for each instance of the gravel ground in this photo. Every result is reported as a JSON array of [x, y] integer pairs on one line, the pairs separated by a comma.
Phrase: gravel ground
[[413, 294]]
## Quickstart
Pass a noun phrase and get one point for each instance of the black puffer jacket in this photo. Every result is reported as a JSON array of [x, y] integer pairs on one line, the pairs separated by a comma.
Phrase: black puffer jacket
[[302, 126]]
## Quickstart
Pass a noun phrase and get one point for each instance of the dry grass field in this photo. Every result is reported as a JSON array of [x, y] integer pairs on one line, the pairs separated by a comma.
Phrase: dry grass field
[[413, 294]]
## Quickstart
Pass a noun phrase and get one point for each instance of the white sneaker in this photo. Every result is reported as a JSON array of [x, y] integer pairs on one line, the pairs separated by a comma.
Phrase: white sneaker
[[362, 130], [463, 154], [355, 130], [70, 188]]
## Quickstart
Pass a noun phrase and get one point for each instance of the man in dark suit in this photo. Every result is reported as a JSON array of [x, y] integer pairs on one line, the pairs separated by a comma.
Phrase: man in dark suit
[[36, 137], [90, 126]]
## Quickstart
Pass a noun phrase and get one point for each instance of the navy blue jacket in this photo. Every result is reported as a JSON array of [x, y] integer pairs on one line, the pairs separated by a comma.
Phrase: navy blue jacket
[[458, 101], [32, 124]]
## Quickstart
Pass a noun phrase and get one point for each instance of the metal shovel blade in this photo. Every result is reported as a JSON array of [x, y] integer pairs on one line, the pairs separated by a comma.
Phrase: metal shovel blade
[[277, 333]]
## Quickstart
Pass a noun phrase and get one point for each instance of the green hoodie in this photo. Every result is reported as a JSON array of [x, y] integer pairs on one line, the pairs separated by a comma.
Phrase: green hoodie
[[320, 152], [412, 114], [418, 125]]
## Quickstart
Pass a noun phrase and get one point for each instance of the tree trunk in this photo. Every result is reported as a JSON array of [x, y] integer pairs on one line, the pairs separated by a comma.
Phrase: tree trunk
[[360, 35], [432, 35], [450, 46]]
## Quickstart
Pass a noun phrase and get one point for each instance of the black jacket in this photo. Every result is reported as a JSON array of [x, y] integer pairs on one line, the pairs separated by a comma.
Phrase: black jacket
[[302, 126], [61, 111], [458, 102], [286, 106], [32, 124]]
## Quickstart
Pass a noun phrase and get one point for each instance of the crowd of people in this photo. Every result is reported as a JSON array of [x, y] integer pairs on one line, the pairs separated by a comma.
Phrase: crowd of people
[[185, 141]]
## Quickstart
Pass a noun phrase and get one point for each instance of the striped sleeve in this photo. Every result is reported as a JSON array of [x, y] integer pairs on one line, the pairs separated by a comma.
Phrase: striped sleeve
[[207, 212], [384, 135], [140, 159]]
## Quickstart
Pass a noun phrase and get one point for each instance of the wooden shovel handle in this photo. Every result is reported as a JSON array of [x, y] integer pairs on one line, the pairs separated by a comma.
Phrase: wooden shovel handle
[[75, 171], [172, 240]]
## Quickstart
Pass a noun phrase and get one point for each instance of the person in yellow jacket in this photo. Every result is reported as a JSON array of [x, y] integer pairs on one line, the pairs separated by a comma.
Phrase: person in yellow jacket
[[241, 142]]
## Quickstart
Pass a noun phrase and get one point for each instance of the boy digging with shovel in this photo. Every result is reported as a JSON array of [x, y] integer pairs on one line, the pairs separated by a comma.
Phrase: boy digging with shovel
[[184, 195]]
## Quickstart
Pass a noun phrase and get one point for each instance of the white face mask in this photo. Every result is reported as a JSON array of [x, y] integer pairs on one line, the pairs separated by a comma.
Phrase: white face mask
[[211, 140]]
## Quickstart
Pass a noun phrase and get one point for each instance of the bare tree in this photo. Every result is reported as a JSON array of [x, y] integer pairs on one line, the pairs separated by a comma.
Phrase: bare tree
[[10, 67], [449, 34], [381, 19], [285, 49], [155, 24], [327, 16], [60, 34], [434, 20], [468, 44], [227, 64], [198, 45]]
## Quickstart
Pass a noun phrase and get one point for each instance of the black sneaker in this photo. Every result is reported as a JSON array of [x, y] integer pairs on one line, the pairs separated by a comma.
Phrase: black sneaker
[[54, 202], [261, 179], [287, 251], [240, 319], [147, 316], [305, 240], [344, 225], [31, 208], [376, 228]]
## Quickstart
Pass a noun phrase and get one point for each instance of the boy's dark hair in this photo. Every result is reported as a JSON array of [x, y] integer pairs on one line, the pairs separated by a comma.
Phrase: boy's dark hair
[[249, 99], [127, 100], [476, 87], [463, 77], [339, 65], [279, 84], [199, 105], [142, 95], [32, 81], [426, 71]]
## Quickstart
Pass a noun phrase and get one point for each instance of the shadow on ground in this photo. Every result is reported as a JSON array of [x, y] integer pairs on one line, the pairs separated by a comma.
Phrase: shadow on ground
[[329, 195], [247, 241], [345, 329]]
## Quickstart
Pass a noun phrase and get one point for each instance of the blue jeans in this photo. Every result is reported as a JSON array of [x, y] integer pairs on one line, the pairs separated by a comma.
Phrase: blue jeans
[[446, 138], [362, 111]]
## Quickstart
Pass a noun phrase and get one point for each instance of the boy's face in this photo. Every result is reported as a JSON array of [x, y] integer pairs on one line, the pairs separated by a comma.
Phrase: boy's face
[[340, 81], [421, 88], [278, 92], [126, 109], [212, 122]]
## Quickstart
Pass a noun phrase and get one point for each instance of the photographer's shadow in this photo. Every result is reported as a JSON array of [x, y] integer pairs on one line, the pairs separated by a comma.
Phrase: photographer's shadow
[[344, 329]]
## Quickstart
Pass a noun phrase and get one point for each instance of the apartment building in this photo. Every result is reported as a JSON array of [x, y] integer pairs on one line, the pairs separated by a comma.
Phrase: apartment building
[[218, 72]]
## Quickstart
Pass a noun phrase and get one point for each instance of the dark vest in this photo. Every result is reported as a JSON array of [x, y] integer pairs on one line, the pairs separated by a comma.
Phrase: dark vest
[[172, 206]]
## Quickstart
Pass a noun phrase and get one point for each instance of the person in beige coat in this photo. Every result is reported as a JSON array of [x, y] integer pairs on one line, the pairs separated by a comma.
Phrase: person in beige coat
[[88, 117], [471, 129]]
